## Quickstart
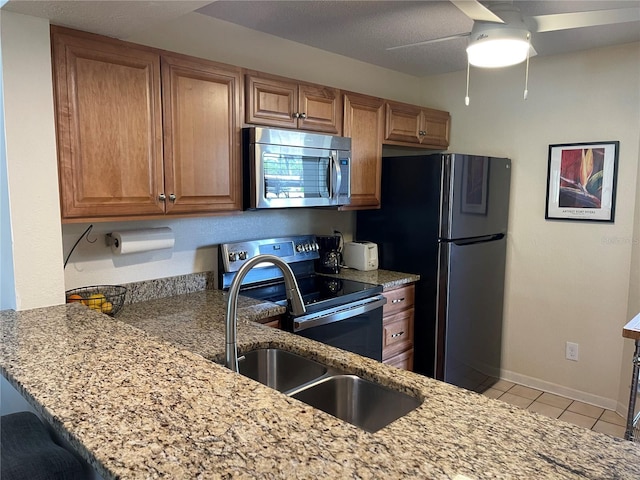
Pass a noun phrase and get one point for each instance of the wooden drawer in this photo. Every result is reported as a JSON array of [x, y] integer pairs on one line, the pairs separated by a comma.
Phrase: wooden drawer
[[272, 321], [399, 299], [403, 360], [397, 334]]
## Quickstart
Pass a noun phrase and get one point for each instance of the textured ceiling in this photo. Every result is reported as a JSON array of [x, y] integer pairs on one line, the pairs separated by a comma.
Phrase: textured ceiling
[[365, 29], [362, 30]]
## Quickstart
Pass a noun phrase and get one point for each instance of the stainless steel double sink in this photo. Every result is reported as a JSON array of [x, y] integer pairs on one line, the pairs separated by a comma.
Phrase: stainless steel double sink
[[363, 403]]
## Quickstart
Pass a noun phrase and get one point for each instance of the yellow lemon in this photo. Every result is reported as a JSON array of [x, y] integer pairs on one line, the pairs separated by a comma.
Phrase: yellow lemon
[[96, 300], [106, 307]]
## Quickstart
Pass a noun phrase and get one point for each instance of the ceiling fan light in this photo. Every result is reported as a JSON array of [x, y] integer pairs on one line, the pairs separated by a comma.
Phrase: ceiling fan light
[[498, 48]]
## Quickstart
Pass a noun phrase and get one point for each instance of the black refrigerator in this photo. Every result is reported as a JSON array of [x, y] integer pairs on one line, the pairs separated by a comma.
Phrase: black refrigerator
[[444, 217]]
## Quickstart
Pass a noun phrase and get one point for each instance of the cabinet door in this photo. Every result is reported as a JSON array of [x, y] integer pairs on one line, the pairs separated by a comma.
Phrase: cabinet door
[[320, 109], [435, 125], [364, 123], [403, 123], [271, 102], [109, 124], [201, 135]]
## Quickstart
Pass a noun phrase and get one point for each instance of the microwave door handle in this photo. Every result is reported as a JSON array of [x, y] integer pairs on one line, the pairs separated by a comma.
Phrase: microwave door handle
[[338, 176]]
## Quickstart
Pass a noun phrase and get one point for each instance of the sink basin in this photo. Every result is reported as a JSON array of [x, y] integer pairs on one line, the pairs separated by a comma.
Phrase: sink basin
[[279, 369], [360, 402], [353, 399]]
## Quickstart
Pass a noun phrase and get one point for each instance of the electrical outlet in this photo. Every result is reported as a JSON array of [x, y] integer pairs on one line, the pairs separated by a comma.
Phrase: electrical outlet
[[571, 351]]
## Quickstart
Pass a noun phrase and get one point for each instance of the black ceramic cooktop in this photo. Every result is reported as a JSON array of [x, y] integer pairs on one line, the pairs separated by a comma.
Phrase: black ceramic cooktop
[[316, 290]]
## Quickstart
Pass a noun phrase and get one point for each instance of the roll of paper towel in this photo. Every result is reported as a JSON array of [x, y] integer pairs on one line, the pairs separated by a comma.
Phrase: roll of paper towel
[[143, 240]]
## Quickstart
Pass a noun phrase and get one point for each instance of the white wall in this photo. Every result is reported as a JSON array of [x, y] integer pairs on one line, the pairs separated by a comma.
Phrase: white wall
[[7, 290], [206, 37], [634, 309], [31, 162], [566, 281]]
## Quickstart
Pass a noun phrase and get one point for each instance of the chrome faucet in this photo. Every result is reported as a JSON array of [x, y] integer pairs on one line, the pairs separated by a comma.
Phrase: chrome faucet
[[231, 321]]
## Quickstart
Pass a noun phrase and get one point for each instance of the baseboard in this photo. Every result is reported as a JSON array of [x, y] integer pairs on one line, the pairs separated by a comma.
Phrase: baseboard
[[603, 402]]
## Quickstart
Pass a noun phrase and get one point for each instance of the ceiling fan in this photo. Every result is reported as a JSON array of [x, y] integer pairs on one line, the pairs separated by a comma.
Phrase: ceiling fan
[[501, 36]]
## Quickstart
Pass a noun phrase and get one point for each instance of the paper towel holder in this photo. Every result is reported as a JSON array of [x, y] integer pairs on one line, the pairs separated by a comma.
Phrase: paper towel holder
[[109, 240], [140, 240]]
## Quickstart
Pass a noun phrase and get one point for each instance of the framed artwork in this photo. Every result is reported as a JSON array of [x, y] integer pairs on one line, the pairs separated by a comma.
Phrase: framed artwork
[[581, 181], [475, 185]]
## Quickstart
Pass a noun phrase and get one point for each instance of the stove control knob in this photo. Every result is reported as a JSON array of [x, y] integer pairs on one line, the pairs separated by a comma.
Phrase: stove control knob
[[242, 255], [315, 247], [299, 248], [233, 256]]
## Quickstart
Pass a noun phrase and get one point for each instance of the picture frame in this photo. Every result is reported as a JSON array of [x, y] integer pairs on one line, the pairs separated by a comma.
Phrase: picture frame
[[581, 181], [475, 185]]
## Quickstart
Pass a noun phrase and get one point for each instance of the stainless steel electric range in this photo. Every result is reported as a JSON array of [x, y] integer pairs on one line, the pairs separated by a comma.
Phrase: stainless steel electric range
[[342, 313]]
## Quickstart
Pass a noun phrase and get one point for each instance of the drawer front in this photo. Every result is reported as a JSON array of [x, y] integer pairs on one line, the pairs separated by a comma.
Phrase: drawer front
[[397, 333], [399, 299], [271, 321], [403, 360]]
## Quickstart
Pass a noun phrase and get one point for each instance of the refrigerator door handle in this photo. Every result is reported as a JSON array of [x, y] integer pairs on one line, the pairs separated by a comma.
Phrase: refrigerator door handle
[[470, 241]]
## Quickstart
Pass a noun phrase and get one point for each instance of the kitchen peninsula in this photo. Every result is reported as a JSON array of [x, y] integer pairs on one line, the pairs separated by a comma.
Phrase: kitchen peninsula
[[139, 397]]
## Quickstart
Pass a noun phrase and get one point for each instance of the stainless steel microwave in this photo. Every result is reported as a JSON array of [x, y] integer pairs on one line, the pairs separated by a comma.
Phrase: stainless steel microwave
[[290, 168]]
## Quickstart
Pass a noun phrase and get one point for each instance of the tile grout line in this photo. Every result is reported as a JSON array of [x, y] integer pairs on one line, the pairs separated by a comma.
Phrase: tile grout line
[[566, 409]]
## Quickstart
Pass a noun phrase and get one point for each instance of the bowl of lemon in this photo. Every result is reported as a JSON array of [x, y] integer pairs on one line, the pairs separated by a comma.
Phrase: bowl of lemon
[[102, 298]]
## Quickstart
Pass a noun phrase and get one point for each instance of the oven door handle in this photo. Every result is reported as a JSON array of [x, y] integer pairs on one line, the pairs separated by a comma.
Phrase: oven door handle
[[338, 314]]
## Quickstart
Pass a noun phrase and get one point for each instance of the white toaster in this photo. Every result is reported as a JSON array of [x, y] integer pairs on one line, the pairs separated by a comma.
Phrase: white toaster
[[361, 255]]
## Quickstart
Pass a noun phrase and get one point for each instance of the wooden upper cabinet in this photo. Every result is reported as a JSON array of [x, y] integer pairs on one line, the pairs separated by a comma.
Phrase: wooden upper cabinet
[[364, 123], [109, 126], [142, 133], [417, 126], [202, 162], [280, 102]]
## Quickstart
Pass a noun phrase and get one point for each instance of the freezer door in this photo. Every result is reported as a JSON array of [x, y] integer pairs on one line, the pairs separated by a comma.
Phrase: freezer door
[[470, 303], [475, 196]]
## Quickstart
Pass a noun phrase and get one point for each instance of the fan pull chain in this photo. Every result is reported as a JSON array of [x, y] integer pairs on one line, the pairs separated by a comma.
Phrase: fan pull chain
[[466, 98], [526, 74]]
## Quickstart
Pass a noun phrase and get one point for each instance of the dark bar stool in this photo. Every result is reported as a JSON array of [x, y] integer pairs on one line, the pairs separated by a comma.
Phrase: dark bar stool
[[29, 453]]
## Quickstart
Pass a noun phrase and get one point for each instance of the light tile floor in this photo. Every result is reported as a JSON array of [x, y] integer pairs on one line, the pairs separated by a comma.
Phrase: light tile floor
[[555, 406]]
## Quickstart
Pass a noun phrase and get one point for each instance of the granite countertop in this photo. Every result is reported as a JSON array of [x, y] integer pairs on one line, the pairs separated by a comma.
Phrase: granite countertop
[[388, 279], [138, 397]]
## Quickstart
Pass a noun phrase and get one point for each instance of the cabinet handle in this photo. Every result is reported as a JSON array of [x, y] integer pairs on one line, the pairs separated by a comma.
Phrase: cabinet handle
[[296, 115], [396, 335], [172, 197], [303, 115], [397, 300], [422, 133], [162, 197]]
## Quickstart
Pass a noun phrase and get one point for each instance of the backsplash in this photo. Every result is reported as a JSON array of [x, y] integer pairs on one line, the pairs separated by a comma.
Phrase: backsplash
[[168, 287]]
